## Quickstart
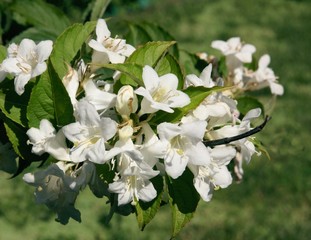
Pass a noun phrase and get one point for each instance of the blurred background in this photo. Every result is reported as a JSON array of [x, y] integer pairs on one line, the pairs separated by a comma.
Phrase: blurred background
[[274, 199]]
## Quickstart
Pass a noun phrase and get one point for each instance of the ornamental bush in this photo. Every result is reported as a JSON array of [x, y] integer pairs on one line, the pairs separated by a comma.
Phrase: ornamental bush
[[139, 121]]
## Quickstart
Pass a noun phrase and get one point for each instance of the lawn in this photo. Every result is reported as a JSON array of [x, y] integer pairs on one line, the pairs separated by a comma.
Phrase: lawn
[[274, 199]]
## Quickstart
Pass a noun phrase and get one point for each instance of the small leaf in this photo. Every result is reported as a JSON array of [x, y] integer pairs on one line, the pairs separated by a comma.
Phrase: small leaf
[[247, 103], [13, 105], [157, 33], [149, 54], [68, 44], [222, 67], [40, 103], [3, 53], [131, 70], [146, 211], [137, 35], [169, 64], [183, 199], [49, 100], [63, 110], [18, 138], [196, 94], [141, 33], [191, 63]]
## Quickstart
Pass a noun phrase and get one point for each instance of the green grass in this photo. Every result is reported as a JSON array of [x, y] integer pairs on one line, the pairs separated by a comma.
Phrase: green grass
[[274, 199]]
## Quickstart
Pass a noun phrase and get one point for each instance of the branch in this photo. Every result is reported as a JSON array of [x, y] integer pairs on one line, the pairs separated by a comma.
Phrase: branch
[[227, 140]]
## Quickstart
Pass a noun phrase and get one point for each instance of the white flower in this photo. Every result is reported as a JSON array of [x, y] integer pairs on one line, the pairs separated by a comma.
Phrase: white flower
[[246, 147], [214, 174], [125, 145], [160, 93], [45, 139], [236, 52], [204, 79], [184, 146], [89, 134], [109, 49], [151, 147], [265, 76], [127, 102], [132, 183], [101, 99], [26, 61]]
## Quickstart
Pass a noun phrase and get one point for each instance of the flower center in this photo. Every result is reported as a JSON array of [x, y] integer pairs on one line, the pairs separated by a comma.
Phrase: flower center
[[161, 94]]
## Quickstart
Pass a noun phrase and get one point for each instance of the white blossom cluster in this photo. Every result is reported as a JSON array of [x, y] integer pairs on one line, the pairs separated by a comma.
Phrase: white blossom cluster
[[113, 128], [237, 53]]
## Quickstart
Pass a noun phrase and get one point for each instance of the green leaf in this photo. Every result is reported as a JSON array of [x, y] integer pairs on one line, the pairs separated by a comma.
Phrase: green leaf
[[41, 15], [68, 44], [149, 54], [49, 100], [169, 64], [191, 63], [40, 103], [63, 110], [99, 9], [222, 67], [146, 211], [247, 103], [3, 52], [133, 72], [196, 94], [146, 32], [137, 35], [183, 199], [157, 33], [13, 105], [18, 138]]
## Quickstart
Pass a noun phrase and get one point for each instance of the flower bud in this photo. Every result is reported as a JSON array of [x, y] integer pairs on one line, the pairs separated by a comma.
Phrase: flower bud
[[126, 133], [127, 102]]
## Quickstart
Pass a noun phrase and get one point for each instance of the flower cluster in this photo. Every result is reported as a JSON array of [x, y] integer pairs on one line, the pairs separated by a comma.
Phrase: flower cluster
[[125, 135], [242, 77]]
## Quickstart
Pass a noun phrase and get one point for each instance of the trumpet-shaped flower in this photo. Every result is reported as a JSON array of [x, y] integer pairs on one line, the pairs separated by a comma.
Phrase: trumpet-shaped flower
[[89, 134], [26, 61], [160, 93], [215, 174], [204, 79], [151, 147], [247, 148], [109, 49], [45, 139], [265, 76], [184, 146], [235, 51], [132, 182], [101, 99]]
